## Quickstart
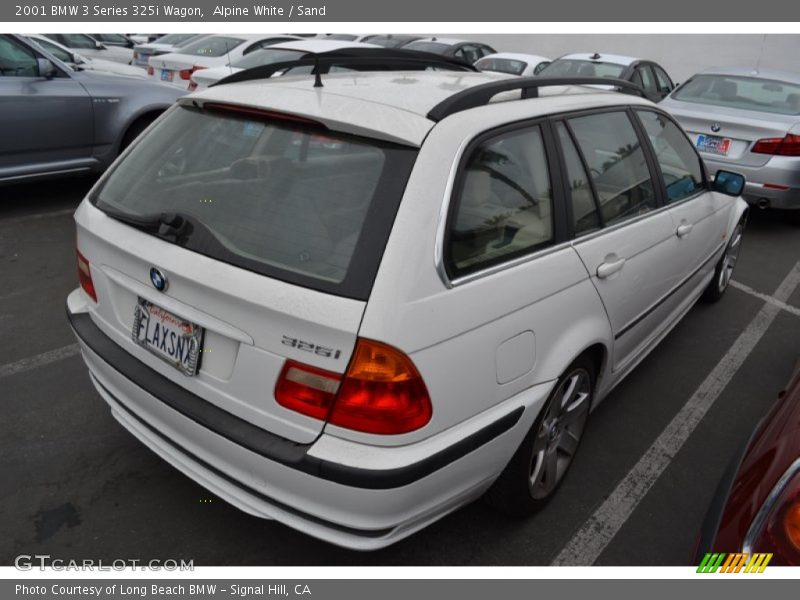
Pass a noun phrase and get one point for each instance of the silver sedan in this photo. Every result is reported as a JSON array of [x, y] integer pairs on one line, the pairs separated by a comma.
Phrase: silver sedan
[[748, 121]]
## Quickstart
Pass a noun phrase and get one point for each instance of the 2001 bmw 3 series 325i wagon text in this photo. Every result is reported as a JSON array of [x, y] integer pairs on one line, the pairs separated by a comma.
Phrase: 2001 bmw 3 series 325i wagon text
[[354, 308]]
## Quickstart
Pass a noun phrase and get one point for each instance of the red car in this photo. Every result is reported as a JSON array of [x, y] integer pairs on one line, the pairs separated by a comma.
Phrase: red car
[[757, 504]]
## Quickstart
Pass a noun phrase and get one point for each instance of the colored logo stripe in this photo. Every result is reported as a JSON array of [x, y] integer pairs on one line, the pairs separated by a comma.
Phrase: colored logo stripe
[[734, 563]]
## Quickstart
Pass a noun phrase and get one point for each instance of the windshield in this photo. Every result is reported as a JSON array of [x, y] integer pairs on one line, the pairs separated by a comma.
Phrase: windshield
[[502, 65], [291, 200], [747, 93], [434, 47], [259, 58], [569, 67], [212, 46]]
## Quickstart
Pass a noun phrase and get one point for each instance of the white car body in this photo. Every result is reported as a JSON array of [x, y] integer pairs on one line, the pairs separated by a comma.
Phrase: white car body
[[532, 63], [75, 59], [490, 345], [168, 67], [205, 77], [169, 43]]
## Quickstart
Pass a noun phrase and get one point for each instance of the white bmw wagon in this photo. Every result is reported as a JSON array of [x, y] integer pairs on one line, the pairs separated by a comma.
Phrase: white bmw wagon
[[357, 303]]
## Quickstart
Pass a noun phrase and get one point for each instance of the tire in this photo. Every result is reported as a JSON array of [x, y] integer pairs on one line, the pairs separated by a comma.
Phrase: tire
[[723, 272], [134, 130], [538, 467]]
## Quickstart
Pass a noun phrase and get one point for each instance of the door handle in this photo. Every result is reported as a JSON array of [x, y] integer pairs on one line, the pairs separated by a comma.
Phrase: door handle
[[610, 267], [683, 230]]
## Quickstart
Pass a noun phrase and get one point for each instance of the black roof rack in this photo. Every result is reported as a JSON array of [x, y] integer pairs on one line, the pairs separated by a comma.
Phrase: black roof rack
[[356, 59], [480, 95]]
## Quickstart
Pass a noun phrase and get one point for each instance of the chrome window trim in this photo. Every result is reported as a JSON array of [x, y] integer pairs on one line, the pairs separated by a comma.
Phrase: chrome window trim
[[760, 519]]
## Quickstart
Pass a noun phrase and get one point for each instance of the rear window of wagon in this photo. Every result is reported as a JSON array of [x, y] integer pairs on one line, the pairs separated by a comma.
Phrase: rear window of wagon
[[287, 199]]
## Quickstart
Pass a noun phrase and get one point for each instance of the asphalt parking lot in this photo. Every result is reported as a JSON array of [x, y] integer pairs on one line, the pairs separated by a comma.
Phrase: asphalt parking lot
[[76, 485]]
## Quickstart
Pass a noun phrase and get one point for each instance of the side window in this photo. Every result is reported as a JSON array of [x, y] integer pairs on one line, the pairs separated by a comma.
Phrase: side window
[[468, 53], [16, 61], [617, 165], [56, 51], [585, 217], [680, 164], [540, 66], [665, 84], [503, 207], [648, 82]]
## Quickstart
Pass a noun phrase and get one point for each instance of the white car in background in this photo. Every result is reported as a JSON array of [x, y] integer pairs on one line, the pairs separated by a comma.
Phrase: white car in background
[[211, 51], [277, 53], [163, 45], [80, 62], [356, 302], [468, 51], [92, 48], [513, 63]]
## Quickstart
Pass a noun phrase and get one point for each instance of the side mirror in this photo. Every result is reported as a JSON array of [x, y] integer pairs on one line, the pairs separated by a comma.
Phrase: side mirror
[[100, 46], [46, 68], [729, 183]]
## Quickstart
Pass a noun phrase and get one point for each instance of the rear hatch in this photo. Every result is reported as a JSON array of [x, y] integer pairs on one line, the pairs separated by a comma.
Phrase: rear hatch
[[263, 232], [726, 115]]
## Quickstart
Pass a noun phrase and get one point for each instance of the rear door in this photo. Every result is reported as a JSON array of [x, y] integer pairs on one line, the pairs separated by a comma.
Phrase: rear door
[[624, 240], [46, 124], [282, 229], [698, 217]]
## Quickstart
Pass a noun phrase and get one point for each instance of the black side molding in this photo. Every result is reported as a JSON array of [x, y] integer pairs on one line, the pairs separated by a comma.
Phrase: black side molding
[[265, 443]]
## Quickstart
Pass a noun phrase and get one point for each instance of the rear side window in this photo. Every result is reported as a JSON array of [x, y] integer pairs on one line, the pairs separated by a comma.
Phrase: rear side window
[[503, 206], [679, 162], [290, 200], [585, 217], [16, 61], [616, 164]]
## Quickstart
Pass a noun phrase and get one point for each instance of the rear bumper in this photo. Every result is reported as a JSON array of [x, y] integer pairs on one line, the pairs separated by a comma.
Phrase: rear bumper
[[316, 488], [778, 171]]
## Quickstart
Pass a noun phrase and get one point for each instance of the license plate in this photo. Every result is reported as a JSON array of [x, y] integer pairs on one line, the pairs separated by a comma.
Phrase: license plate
[[713, 144], [174, 340], [166, 75]]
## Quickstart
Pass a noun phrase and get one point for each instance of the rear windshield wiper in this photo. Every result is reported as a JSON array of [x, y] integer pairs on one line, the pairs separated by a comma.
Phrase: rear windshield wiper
[[179, 228]]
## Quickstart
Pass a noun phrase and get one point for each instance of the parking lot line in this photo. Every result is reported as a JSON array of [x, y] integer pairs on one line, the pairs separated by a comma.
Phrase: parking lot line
[[32, 362], [766, 298], [597, 532]]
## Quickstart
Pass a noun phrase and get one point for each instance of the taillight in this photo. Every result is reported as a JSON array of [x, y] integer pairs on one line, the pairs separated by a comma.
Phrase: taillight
[[187, 73], [381, 392], [85, 277], [779, 531], [785, 146], [307, 390], [150, 70]]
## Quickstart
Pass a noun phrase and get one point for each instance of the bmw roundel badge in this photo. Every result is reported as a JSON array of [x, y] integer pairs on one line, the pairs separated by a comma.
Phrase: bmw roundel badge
[[715, 127], [158, 279]]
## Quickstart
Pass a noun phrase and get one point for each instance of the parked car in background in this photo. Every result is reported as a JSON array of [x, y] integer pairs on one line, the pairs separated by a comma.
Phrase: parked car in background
[[756, 508], [276, 53], [357, 250], [345, 37], [144, 38], [120, 40], [390, 40], [88, 46], [59, 121], [80, 63], [648, 75], [748, 120], [469, 52], [211, 51], [163, 45], [513, 63]]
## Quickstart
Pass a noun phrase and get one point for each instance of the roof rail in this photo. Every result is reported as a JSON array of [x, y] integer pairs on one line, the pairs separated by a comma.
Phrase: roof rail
[[356, 59], [480, 95]]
